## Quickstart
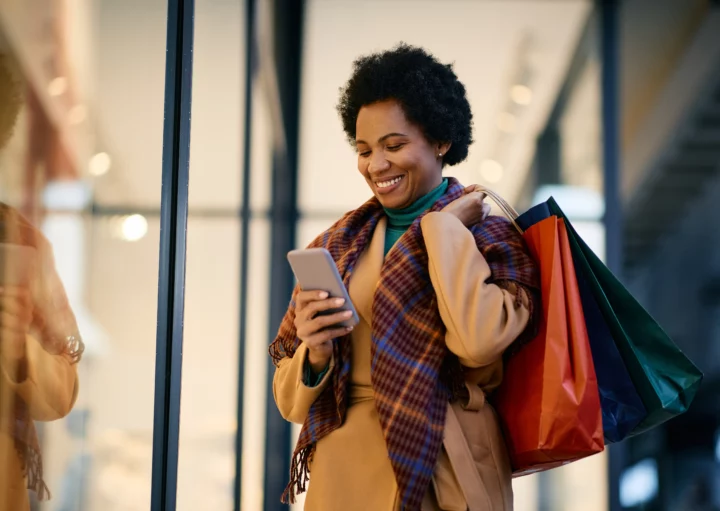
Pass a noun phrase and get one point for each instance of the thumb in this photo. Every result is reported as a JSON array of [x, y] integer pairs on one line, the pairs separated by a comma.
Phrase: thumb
[[485, 211], [470, 189]]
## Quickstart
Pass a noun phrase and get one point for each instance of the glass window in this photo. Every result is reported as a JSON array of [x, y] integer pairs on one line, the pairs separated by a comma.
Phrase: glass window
[[206, 466], [83, 165]]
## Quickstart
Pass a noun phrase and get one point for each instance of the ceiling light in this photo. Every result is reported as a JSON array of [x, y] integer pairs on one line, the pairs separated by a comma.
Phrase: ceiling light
[[77, 114], [506, 122], [58, 86], [134, 228], [100, 164], [491, 171], [521, 94]]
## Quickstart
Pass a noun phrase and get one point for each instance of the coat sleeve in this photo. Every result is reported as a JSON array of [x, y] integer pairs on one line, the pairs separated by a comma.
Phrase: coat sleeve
[[48, 384], [292, 396], [482, 319]]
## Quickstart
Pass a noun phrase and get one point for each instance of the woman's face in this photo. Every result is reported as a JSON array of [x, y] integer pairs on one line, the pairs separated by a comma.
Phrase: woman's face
[[399, 164]]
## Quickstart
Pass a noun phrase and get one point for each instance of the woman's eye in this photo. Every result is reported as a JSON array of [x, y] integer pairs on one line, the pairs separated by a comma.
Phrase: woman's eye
[[364, 153], [394, 147]]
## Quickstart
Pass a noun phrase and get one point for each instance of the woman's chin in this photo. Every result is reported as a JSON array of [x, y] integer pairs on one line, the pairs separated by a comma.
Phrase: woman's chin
[[390, 201], [397, 197]]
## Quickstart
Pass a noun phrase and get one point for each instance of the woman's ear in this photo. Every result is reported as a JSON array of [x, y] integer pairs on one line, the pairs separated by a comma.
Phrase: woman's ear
[[443, 148]]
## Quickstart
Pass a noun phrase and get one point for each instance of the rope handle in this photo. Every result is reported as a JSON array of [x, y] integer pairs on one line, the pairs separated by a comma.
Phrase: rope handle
[[504, 206]]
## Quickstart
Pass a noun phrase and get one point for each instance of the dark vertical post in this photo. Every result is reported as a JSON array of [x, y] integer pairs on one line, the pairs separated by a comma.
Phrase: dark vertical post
[[610, 54], [287, 22], [548, 160], [250, 67], [610, 91], [173, 232]]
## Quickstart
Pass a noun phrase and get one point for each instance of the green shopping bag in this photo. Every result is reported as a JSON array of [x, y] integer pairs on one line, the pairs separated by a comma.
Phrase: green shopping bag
[[665, 379]]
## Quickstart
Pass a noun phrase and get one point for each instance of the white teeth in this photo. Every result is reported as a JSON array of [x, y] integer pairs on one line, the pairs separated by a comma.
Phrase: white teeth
[[385, 184]]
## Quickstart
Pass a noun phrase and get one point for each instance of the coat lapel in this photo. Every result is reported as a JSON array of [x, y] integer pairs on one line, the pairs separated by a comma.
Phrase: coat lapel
[[367, 273]]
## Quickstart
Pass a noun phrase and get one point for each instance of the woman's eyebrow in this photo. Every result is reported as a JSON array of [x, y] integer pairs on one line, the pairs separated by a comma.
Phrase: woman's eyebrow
[[383, 138]]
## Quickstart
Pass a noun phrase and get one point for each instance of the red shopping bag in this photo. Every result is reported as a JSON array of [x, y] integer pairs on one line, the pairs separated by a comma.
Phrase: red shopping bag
[[549, 404]]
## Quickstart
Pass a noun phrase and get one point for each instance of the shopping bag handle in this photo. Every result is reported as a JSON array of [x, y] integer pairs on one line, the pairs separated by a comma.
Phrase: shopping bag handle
[[504, 206]]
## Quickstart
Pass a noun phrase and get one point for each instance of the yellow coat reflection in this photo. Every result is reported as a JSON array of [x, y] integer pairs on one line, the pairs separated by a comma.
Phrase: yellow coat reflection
[[39, 348], [49, 390]]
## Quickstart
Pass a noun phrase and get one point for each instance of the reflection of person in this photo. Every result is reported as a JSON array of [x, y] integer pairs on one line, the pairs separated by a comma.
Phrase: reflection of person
[[10, 99], [39, 342], [441, 290]]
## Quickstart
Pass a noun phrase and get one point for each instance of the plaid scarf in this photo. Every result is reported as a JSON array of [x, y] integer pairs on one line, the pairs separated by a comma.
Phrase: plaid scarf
[[53, 324], [412, 369]]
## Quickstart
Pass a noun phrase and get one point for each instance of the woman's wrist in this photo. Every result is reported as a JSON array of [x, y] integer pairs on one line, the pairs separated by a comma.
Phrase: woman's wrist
[[318, 361]]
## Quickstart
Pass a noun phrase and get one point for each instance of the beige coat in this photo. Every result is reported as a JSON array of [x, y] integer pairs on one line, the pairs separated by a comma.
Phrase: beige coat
[[350, 469], [49, 390]]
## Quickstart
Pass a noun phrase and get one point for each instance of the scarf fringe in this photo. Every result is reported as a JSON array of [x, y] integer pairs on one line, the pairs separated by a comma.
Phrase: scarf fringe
[[299, 475], [32, 467]]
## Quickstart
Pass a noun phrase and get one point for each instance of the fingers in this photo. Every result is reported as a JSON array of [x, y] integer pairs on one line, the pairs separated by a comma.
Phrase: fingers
[[22, 294], [314, 307], [481, 196], [305, 297], [316, 340], [308, 328], [12, 323], [474, 188], [17, 302]]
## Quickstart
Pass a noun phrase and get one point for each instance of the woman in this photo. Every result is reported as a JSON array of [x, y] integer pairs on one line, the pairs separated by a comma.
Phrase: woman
[[441, 290], [39, 342]]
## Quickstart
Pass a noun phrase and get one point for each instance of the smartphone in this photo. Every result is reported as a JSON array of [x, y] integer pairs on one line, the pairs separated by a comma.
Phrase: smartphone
[[315, 270], [18, 265]]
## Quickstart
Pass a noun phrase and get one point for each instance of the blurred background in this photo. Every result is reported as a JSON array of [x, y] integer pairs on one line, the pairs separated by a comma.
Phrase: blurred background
[[611, 107]]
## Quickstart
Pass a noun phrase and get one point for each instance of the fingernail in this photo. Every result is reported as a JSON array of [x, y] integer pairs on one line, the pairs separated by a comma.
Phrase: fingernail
[[349, 328], [323, 295], [339, 301], [347, 314]]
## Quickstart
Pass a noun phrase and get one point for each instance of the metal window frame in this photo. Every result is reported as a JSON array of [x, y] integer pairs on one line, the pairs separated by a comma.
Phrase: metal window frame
[[287, 24], [173, 244], [245, 217]]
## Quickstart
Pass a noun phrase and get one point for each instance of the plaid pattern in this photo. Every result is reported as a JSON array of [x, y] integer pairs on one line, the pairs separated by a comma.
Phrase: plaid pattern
[[408, 343]]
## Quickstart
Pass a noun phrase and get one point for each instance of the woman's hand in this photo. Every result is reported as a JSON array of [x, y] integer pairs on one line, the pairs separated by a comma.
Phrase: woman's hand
[[16, 313], [470, 208], [317, 332]]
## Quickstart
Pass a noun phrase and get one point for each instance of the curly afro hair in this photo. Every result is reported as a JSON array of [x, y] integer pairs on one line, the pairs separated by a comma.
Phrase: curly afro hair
[[428, 91], [10, 98]]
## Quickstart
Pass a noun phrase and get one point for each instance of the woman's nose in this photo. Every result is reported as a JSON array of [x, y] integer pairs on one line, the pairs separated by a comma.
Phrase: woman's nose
[[378, 162]]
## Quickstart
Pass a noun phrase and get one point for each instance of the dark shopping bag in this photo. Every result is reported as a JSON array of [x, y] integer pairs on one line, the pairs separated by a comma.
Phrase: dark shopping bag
[[622, 408], [664, 378]]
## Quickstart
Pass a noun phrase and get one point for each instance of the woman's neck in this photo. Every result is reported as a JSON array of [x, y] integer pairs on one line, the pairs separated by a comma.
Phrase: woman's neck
[[403, 218]]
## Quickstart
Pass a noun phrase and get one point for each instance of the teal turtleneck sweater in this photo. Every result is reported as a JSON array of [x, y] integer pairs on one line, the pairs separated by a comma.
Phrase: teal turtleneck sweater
[[399, 220]]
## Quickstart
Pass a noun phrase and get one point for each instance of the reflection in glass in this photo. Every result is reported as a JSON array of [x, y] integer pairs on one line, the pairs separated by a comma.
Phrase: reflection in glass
[[40, 346], [81, 134]]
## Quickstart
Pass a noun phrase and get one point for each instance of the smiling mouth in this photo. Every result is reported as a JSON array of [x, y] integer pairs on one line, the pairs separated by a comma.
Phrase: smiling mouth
[[389, 182]]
